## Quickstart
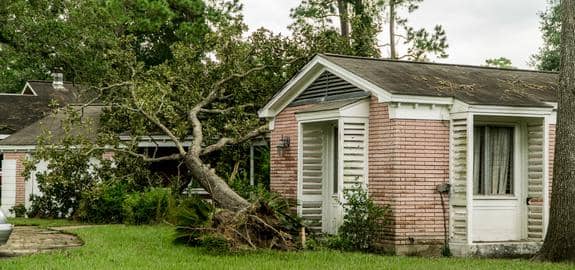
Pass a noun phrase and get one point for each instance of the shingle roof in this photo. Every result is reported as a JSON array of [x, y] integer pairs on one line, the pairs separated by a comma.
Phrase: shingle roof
[[470, 84], [19, 111], [53, 124]]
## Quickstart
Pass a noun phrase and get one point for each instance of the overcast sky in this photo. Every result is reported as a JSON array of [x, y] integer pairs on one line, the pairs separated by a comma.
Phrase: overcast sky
[[476, 29]]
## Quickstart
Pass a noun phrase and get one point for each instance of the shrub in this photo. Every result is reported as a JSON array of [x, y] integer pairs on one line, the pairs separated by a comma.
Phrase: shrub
[[192, 215], [18, 210], [103, 203], [147, 207], [44, 207], [363, 221]]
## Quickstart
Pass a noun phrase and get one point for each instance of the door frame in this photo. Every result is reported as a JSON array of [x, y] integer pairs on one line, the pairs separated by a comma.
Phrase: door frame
[[329, 200], [520, 185]]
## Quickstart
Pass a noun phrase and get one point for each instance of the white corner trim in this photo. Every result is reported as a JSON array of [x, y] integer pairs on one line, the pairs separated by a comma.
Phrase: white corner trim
[[272, 124], [469, 171], [545, 213], [553, 118]]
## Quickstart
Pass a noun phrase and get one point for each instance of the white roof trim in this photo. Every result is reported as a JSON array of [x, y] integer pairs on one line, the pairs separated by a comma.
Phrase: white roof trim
[[27, 85], [16, 148], [306, 76], [319, 64], [508, 110]]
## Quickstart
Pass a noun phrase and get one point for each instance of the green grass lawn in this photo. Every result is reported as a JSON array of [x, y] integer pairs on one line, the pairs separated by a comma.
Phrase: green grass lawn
[[150, 247], [43, 222]]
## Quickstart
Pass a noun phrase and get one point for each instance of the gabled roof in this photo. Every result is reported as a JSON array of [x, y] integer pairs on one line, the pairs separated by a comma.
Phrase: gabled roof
[[20, 110], [390, 79]]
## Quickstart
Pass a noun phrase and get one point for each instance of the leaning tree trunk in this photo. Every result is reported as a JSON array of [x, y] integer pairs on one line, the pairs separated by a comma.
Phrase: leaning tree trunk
[[215, 185], [559, 244]]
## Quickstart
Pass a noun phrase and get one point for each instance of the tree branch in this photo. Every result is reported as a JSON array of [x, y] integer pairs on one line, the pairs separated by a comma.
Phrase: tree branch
[[227, 141], [198, 136], [138, 155], [222, 111], [159, 124]]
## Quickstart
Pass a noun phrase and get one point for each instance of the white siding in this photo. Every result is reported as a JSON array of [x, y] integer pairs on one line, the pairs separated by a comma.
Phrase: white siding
[[535, 181], [312, 173], [8, 185], [458, 199], [354, 152]]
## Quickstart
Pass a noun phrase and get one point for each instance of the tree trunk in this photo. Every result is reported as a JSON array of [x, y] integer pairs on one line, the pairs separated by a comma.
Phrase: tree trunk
[[343, 19], [393, 54], [215, 185], [559, 244]]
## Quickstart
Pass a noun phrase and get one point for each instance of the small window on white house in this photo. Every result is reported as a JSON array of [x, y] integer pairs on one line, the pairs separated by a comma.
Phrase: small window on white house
[[493, 160]]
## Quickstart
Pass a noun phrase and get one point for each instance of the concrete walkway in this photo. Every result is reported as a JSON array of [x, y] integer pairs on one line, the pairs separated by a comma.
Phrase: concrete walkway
[[32, 239]]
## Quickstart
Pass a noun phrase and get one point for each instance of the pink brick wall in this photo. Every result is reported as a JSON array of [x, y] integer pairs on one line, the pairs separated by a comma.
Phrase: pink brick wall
[[20, 180], [283, 171], [407, 159]]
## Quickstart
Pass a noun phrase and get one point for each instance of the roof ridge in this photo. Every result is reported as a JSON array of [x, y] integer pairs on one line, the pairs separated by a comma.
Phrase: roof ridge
[[434, 63], [48, 81]]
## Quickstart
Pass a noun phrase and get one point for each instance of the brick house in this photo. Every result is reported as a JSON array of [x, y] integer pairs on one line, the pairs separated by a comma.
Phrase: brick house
[[18, 112], [461, 154]]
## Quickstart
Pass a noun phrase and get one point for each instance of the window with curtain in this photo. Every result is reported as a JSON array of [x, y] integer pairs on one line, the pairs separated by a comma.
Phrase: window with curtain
[[493, 160]]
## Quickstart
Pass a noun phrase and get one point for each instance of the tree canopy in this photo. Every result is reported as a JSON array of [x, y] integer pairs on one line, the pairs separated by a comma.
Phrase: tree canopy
[[549, 54], [362, 21]]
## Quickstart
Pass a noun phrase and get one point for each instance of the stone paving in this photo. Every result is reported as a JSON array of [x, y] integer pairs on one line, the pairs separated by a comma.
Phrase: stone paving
[[32, 239]]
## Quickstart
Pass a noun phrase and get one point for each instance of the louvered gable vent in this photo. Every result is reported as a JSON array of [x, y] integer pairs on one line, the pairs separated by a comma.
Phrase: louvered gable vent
[[328, 87]]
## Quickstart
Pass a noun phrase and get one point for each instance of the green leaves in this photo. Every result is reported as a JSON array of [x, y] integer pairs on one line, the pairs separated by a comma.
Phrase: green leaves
[[549, 54], [314, 23]]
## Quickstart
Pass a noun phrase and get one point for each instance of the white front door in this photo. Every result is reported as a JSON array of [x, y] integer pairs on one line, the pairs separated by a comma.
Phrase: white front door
[[498, 212]]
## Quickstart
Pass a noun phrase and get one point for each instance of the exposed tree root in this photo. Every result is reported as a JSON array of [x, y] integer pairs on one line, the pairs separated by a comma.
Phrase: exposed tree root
[[255, 227]]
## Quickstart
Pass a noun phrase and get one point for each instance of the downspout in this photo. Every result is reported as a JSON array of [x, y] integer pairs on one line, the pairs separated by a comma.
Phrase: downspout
[[444, 189]]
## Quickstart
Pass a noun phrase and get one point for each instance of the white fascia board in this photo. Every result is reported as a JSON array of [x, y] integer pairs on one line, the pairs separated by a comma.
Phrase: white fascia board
[[4, 136], [17, 148], [509, 110], [296, 82]]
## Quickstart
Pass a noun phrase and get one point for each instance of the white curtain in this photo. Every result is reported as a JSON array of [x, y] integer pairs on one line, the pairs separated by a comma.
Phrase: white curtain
[[493, 149]]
